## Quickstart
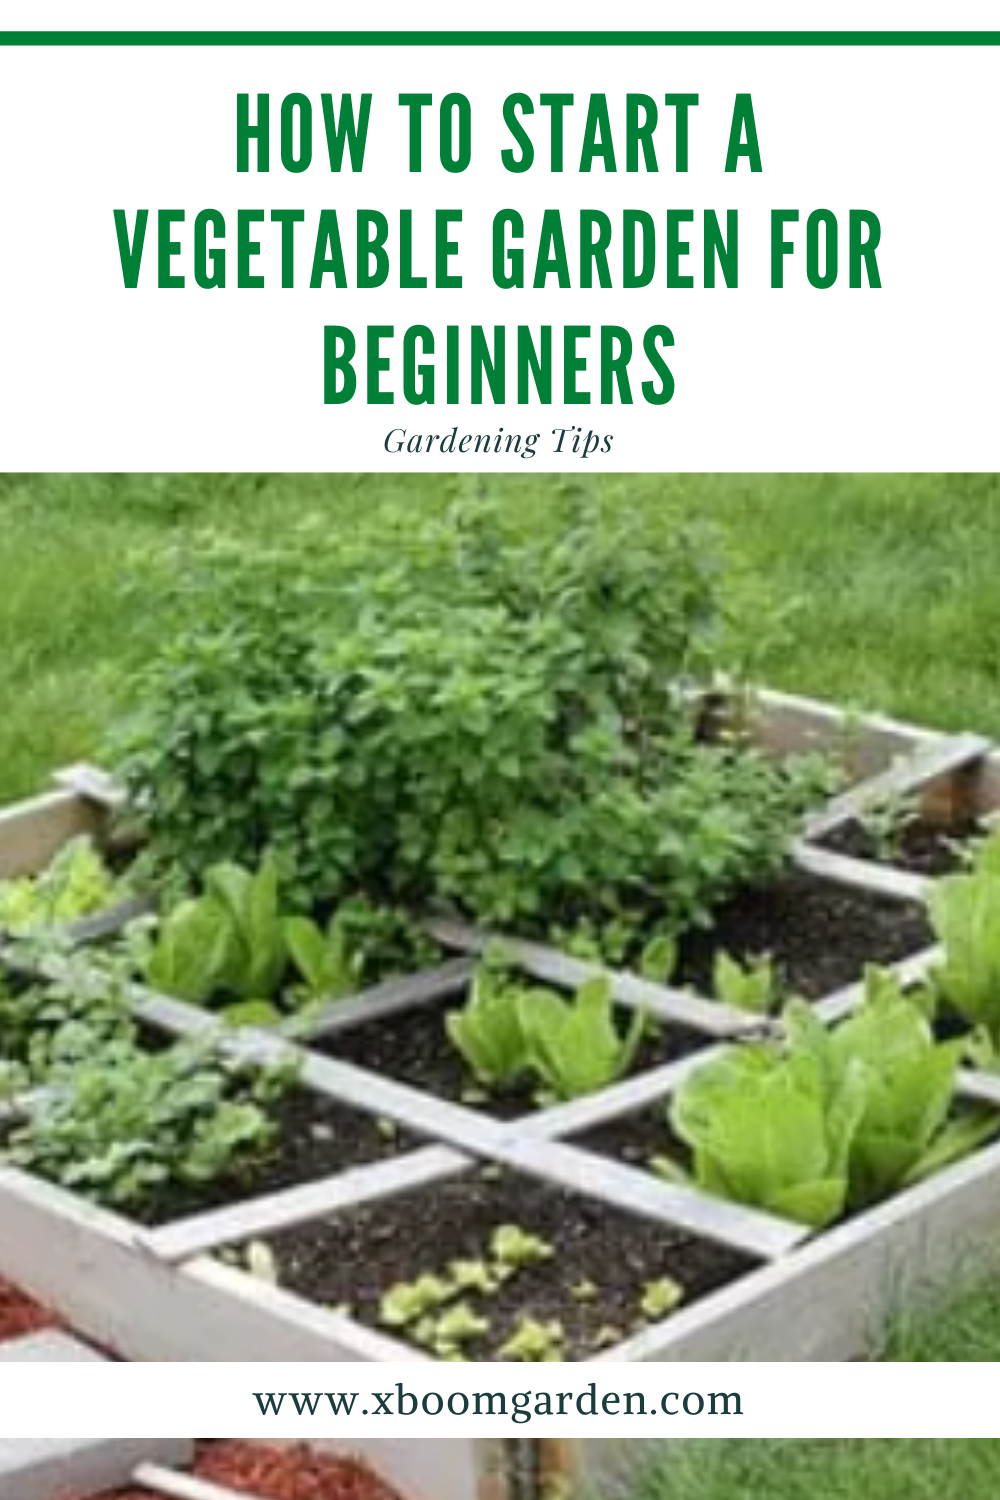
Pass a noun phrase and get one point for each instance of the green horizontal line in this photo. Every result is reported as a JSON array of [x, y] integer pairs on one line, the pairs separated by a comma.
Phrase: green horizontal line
[[499, 38]]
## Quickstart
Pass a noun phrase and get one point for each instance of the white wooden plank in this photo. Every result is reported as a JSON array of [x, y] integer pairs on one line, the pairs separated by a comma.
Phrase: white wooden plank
[[450, 1468], [861, 874], [108, 923], [627, 1097], [256, 1217], [927, 764], [634, 1191], [833, 1298], [388, 999], [47, 1468], [180, 1486], [91, 1267], [33, 832], [910, 970], [791, 724], [709, 1016], [92, 784]]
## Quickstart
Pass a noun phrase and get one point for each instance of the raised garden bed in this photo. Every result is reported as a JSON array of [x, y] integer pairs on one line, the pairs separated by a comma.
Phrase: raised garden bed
[[752, 1284]]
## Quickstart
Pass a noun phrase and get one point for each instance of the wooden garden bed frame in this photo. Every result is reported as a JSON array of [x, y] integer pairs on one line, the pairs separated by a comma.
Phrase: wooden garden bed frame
[[162, 1294]]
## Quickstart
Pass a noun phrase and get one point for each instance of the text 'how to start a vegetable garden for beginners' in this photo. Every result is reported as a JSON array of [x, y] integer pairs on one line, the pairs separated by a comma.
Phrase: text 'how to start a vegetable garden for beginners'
[[476, 256]]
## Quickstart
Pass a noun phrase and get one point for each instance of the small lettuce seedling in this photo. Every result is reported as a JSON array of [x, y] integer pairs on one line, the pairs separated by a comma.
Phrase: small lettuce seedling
[[660, 1297], [516, 1248], [457, 1327], [753, 986], [329, 968], [261, 1262], [658, 960], [409, 1301], [535, 1341], [472, 1276]]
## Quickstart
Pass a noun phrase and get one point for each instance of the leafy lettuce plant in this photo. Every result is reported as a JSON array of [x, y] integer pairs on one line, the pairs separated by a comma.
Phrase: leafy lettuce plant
[[574, 1046], [329, 967], [488, 1031], [75, 885], [906, 1129], [235, 943], [509, 1031], [230, 939], [829, 1119], [965, 912], [765, 1129]]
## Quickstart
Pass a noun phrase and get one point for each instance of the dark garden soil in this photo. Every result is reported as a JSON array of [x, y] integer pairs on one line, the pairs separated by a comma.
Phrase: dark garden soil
[[593, 1284], [414, 1048], [922, 847], [21, 1314], [635, 1139], [317, 1137], [820, 935], [293, 1473]]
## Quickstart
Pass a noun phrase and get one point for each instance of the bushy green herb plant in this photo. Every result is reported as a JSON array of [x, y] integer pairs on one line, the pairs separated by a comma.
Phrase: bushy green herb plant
[[480, 714], [44, 1024]]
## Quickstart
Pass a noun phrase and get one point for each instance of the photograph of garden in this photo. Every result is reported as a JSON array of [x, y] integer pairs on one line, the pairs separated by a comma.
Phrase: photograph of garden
[[473, 919], [589, 1469]]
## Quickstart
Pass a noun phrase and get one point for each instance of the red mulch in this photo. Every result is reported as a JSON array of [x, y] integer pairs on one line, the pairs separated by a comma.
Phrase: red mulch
[[292, 1473], [19, 1314]]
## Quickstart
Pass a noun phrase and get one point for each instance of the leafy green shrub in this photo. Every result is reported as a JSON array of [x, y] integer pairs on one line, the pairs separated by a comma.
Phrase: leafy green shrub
[[487, 716], [43, 1025], [831, 1118], [127, 1128]]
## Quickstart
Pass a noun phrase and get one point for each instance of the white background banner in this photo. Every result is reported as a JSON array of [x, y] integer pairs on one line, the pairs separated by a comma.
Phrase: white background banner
[[830, 1400], [98, 376]]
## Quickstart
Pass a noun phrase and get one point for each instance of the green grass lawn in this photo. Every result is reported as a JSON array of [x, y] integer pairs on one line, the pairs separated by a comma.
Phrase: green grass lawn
[[831, 1469], [895, 580]]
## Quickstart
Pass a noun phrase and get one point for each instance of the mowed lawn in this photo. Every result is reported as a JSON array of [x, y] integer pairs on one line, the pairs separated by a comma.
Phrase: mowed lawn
[[891, 582], [831, 1469]]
